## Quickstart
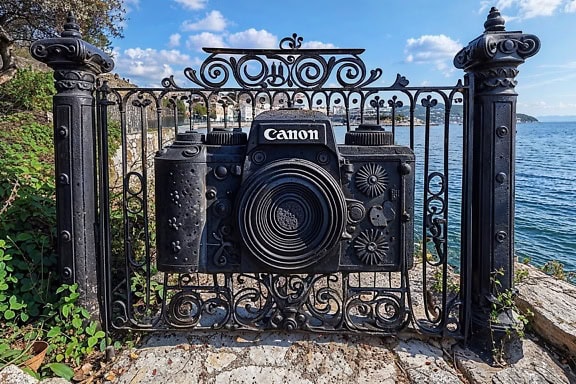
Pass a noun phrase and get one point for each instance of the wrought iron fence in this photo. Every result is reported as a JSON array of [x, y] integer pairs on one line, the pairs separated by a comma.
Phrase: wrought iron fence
[[232, 81], [444, 273]]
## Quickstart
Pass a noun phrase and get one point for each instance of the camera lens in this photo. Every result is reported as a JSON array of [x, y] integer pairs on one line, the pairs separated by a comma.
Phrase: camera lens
[[291, 214]]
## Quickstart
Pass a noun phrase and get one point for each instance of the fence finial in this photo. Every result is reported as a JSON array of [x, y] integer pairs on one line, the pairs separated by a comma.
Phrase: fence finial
[[494, 21], [71, 28]]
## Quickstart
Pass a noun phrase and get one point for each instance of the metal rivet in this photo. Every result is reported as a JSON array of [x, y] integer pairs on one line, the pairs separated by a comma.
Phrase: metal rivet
[[67, 273], [502, 131], [63, 131], [63, 179], [221, 172], [211, 194], [501, 177], [509, 45], [405, 169], [65, 236]]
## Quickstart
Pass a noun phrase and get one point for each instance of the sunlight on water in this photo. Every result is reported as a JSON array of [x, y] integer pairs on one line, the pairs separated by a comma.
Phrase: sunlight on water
[[545, 187]]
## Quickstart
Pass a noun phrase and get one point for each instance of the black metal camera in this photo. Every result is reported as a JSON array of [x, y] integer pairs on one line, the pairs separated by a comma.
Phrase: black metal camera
[[284, 199]]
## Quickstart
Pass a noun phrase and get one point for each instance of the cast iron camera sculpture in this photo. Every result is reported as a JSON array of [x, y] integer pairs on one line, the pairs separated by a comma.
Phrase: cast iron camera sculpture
[[285, 199]]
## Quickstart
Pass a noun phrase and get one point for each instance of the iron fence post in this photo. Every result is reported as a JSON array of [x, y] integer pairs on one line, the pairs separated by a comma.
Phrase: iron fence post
[[491, 61], [76, 65]]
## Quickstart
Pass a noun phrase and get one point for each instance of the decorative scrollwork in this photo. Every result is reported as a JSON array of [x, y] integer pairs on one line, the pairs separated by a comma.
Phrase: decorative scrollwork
[[69, 80], [435, 206], [291, 42], [252, 302], [325, 303], [376, 312], [290, 66], [226, 248], [59, 53], [494, 78], [187, 308], [511, 48]]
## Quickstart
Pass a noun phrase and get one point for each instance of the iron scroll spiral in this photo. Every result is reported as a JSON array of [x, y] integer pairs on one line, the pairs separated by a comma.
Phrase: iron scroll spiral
[[291, 214]]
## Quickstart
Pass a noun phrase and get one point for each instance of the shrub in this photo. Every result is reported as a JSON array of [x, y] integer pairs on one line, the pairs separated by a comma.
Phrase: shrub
[[27, 211], [28, 90], [33, 303]]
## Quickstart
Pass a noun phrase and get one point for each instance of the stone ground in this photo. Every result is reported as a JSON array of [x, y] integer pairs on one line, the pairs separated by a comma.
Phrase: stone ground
[[297, 358], [300, 358]]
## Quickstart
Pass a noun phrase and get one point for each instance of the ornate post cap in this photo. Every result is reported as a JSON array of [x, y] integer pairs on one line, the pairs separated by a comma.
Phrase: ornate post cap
[[71, 52], [496, 47]]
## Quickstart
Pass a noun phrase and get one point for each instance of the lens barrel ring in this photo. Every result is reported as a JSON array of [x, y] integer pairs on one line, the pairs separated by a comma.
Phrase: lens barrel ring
[[291, 213]]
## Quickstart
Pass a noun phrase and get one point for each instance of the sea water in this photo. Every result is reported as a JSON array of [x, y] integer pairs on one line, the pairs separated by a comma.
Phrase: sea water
[[545, 210], [545, 215]]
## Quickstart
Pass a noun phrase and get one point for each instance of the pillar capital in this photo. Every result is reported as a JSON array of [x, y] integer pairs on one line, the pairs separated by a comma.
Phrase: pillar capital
[[496, 53], [70, 52]]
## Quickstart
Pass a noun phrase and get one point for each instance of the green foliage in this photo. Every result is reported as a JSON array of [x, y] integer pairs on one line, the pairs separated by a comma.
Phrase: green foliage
[[437, 282], [61, 370], [68, 328], [556, 268], [8, 353], [503, 303], [33, 304], [27, 216], [520, 275], [24, 21], [199, 110], [170, 103], [28, 90]]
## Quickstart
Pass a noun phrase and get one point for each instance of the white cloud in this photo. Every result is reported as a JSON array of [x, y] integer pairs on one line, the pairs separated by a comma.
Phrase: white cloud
[[438, 50], [214, 21], [205, 39], [533, 8], [130, 5], [174, 40], [317, 45], [526, 9], [543, 108], [192, 4], [147, 67], [251, 38]]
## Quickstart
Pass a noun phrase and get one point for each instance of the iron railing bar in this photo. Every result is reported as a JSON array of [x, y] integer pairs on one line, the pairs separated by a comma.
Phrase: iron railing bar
[[127, 245], [425, 215], [466, 212], [424, 89], [447, 107]]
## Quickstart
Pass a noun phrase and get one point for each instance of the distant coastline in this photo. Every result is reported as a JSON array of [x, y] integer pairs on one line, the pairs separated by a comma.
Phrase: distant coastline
[[557, 118], [523, 118]]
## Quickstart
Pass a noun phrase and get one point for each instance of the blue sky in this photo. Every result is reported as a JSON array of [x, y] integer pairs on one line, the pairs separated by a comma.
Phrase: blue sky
[[417, 38]]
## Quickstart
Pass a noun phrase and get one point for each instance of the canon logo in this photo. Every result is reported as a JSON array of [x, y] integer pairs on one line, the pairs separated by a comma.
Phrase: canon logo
[[290, 134]]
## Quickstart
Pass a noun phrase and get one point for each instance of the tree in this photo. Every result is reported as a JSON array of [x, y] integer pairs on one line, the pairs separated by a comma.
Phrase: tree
[[199, 110], [24, 21]]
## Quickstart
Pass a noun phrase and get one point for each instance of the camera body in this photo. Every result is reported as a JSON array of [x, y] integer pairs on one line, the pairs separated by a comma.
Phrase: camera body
[[284, 199]]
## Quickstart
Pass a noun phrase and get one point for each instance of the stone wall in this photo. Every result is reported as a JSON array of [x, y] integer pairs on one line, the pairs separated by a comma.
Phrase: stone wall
[[135, 154]]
